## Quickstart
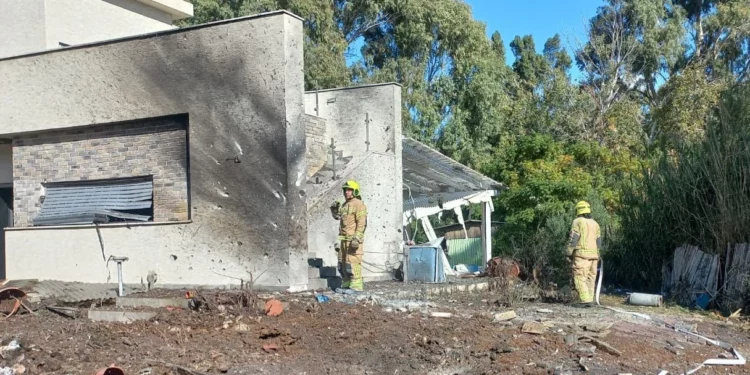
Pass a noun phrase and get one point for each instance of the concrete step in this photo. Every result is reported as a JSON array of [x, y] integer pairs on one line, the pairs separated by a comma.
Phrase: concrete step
[[334, 282], [322, 176], [154, 303], [313, 273], [340, 163], [119, 316], [315, 284], [327, 272], [315, 181]]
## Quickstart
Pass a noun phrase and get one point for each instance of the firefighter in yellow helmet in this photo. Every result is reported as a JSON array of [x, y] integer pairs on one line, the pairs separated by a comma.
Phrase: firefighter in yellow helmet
[[583, 251], [352, 216]]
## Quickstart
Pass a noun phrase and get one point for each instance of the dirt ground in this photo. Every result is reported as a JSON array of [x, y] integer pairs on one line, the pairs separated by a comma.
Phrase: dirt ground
[[368, 338]]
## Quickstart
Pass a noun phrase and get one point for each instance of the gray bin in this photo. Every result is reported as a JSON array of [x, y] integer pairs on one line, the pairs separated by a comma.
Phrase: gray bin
[[426, 264]]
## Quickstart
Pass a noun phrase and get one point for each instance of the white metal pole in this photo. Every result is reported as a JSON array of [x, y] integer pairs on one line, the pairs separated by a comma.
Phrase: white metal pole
[[119, 277], [486, 233]]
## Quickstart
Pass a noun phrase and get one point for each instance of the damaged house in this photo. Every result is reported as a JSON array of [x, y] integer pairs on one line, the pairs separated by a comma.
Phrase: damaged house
[[196, 154]]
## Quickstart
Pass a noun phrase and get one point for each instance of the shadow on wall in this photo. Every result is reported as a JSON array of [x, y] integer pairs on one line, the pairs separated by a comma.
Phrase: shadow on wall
[[238, 155]]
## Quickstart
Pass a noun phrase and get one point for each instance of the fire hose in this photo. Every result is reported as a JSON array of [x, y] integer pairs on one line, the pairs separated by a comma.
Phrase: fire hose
[[600, 276]]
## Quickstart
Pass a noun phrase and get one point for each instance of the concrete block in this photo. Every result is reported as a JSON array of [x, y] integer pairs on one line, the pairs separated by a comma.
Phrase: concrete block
[[155, 303], [328, 272], [335, 282], [313, 273], [315, 284], [503, 316], [119, 316], [533, 328]]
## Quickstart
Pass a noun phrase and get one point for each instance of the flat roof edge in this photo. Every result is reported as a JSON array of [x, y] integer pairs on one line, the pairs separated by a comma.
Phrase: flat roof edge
[[355, 87], [154, 34], [177, 9]]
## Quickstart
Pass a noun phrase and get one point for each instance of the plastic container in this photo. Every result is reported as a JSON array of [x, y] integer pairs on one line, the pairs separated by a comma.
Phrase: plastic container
[[472, 268]]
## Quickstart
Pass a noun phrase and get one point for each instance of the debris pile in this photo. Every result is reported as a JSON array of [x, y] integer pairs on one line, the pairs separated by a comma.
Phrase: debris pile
[[504, 268], [236, 331]]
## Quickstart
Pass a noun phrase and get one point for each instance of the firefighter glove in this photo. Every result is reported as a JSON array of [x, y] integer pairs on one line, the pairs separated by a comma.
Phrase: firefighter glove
[[335, 207], [354, 244]]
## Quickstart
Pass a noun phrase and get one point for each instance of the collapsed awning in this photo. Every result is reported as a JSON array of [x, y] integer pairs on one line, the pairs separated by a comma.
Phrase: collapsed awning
[[456, 200], [427, 172], [434, 182]]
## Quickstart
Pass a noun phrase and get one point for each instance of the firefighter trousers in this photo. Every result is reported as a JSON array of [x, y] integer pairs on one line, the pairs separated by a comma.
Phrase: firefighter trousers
[[351, 261], [584, 278]]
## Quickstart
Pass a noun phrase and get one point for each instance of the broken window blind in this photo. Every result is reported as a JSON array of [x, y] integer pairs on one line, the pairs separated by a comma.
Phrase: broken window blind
[[93, 202]]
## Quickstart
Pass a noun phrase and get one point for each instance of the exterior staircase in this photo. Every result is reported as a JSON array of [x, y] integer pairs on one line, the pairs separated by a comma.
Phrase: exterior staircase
[[320, 181], [320, 277], [326, 172]]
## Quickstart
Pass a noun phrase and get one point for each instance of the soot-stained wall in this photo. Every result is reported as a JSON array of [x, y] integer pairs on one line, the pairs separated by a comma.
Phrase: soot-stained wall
[[240, 83], [377, 168]]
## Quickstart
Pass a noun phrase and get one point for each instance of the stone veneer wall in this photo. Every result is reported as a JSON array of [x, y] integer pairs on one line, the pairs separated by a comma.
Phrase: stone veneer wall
[[154, 147]]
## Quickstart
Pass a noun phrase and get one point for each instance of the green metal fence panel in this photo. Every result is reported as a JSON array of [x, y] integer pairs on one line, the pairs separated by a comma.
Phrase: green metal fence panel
[[465, 251]]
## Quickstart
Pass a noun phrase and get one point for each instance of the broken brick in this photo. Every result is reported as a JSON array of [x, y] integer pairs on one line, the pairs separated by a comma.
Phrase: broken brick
[[503, 316], [274, 307], [533, 328]]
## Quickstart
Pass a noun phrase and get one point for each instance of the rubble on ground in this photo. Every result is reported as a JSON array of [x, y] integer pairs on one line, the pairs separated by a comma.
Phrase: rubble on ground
[[234, 332]]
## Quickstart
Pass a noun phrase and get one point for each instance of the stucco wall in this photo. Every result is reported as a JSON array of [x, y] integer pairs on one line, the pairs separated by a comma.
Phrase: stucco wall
[[382, 237], [36, 25], [84, 21], [241, 84], [22, 27], [379, 173], [345, 111]]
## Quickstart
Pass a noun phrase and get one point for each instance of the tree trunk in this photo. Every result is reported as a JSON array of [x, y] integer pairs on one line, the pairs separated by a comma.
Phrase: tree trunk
[[699, 34]]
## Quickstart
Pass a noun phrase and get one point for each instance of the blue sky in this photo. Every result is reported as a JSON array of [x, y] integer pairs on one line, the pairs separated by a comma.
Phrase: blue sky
[[540, 18]]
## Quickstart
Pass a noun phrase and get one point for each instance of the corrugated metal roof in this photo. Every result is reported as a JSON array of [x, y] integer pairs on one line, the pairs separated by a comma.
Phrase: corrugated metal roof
[[427, 171], [94, 202], [465, 251]]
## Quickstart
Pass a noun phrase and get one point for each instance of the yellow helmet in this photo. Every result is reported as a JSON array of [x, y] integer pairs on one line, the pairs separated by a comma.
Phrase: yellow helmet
[[351, 184], [583, 207]]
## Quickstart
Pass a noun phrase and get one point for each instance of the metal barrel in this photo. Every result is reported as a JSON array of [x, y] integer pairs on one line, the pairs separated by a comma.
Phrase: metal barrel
[[643, 299]]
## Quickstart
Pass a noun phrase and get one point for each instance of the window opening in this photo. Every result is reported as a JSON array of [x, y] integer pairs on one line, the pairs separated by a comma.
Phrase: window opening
[[96, 202]]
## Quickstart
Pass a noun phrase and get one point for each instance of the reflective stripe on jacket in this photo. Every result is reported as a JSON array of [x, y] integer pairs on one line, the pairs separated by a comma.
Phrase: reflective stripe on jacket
[[588, 232], [352, 220]]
